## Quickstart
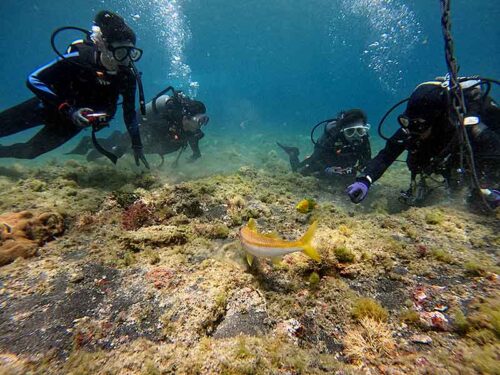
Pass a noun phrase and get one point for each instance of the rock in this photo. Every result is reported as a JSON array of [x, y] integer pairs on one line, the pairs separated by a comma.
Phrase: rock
[[421, 339], [246, 315], [291, 328], [22, 233], [156, 236], [76, 277], [400, 270], [434, 320]]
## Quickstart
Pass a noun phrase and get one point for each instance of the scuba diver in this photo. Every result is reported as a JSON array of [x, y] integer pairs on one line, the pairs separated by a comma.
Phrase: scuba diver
[[171, 124], [342, 150], [432, 140], [80, 89]]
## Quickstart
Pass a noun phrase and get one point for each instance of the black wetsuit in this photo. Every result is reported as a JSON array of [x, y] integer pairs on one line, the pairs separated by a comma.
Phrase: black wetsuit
[[82, 84], [333, 150], [161, 136], [438, 154], [169, 136]]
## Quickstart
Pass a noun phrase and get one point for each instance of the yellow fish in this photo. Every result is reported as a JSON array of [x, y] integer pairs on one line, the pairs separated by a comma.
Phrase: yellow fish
[[306, 205], [268, 246]]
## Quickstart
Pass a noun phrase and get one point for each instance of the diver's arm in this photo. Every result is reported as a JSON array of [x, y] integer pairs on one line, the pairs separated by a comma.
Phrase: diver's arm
[[193, 141], [378, 165], [365, 155], [41, 80], [127, 91], [485, 141], [490, 113]]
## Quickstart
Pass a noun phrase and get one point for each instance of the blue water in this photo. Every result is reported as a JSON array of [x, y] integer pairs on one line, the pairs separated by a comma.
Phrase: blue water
[[267, 65]]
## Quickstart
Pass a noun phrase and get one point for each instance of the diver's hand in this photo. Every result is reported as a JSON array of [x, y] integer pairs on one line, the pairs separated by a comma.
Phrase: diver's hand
[[358, 191], [139, 156], [193, 158], [332, 171], [78, 117]]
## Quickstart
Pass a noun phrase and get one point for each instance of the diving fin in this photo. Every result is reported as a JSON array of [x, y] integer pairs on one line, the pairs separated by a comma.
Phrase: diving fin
[[82, 148], [291, 151]]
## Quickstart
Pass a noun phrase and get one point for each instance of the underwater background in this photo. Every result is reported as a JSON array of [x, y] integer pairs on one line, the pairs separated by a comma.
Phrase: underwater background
[[110, 269], [269, 67]]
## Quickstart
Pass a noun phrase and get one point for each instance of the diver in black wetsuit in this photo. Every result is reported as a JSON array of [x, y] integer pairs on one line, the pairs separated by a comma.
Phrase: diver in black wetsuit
[[78, 90], [171, 124], [432, 143], [342, 150]]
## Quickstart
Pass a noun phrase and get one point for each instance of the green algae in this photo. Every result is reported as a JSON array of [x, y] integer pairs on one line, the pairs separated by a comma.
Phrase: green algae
[[460, 322], [410, 317], [369, 308], [314, 279], [434, 217], [442, 255], [344, 255]]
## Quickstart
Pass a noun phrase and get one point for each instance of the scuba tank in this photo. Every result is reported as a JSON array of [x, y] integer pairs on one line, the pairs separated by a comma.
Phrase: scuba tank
[[157, 109], [476, 90]]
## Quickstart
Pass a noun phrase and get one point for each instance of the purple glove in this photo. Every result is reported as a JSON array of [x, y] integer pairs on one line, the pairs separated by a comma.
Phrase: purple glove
[[357, 191]]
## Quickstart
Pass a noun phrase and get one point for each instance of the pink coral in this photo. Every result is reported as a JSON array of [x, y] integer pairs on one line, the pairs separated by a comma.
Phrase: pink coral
[[138, 215]]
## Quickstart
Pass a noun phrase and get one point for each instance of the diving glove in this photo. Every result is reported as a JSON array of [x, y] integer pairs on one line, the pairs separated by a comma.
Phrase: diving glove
[[78, 117], [358, 191], [139, 156]]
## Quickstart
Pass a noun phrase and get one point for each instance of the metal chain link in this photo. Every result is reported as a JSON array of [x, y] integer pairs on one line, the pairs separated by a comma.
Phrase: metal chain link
[[457, 108]]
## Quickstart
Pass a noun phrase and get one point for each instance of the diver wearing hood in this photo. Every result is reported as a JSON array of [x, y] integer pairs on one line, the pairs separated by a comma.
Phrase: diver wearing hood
[[342, 150], [79, 90], [432, 142], [171, 124]]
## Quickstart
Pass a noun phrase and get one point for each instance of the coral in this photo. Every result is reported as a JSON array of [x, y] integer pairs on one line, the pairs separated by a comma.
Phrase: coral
[[22, 233], [137, 216], [369, 308], [369, 341]]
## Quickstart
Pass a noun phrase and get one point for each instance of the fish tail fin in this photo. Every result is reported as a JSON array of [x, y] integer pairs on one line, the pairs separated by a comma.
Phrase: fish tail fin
[[250, 259], [306, 242]]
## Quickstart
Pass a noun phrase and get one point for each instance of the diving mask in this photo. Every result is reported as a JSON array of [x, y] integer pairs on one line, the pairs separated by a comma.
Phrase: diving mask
[[121, 53], [195, 122], [413, 125], [356, 131]]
